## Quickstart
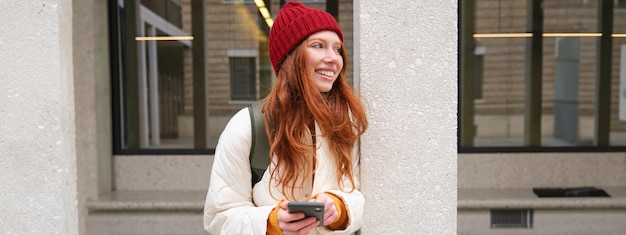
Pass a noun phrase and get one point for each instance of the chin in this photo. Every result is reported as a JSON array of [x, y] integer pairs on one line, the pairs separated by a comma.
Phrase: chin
[[325, 89]]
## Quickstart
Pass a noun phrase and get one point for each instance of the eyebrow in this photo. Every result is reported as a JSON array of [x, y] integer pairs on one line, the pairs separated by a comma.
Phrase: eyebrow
[[332, 41]]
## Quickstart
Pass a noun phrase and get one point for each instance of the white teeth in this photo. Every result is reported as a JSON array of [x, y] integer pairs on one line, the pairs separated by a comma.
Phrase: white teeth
[[326, 73]]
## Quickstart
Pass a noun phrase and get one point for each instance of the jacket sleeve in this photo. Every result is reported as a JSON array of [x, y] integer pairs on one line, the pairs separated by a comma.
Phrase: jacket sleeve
[[229, 208]]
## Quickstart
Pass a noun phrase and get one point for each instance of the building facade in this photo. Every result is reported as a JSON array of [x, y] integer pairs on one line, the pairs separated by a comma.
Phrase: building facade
[[83, 155], [61, 142]]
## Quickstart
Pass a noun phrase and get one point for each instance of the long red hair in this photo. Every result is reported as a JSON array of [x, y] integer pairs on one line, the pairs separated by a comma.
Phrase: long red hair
[[292, 105]]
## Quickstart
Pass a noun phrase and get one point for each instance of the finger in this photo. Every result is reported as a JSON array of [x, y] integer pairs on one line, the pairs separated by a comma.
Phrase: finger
[[302, 226], [311, 226], [330, 212], [329, 204], [285, 216], [330, 219]]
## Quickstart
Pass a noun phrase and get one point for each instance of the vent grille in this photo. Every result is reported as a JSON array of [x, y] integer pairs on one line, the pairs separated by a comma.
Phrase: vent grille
[[512, 218]]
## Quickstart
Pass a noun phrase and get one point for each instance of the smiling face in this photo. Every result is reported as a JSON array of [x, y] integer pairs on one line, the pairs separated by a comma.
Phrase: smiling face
[[323, 58]]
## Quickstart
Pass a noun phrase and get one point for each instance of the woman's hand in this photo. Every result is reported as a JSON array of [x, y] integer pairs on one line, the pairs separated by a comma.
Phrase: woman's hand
[[295, 223], [330, 211]]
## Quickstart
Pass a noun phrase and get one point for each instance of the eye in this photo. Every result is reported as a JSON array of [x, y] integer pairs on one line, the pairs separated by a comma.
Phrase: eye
[[339, 50], [317, 45]]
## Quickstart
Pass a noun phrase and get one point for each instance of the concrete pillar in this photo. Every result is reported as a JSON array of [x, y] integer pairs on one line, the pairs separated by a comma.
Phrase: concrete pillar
[[92, 99], [37, 139], [406, 53], [622, 82]]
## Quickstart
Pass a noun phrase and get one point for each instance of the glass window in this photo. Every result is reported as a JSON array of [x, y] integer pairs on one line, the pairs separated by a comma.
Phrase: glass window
[[182, 68], [243, 78], [548, 77]]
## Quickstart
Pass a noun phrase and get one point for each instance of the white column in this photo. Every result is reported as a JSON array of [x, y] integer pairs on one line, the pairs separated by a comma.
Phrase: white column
[[144, 127], [622, 79], [153, 84], [407, 60], [37, 134]]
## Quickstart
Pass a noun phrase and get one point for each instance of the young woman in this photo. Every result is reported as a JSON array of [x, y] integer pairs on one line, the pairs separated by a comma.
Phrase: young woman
[[313, 123]]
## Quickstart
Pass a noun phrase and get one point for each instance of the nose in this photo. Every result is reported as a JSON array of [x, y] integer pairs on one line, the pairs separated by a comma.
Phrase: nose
[[332, 56]]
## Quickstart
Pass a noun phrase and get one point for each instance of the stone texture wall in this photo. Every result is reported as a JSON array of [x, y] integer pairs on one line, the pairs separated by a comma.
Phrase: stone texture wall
[[37, 140], [407, 57]]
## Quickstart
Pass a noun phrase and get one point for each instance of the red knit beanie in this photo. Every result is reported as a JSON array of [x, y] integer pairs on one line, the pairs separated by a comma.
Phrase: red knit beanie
[[294, 23]]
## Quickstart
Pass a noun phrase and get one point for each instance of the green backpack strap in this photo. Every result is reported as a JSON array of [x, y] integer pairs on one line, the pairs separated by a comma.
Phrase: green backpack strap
[[260, 148]]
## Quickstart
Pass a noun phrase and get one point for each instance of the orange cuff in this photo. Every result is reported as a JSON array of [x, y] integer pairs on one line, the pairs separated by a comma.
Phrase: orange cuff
[[342, 220], [272, 221]]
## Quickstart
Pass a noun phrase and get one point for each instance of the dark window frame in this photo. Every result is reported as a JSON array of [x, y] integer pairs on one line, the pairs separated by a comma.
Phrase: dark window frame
[[116, 58], [505, 149], [118, 98], [248, 78]]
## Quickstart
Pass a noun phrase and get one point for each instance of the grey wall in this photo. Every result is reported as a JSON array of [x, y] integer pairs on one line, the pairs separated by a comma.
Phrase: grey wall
[[92, 101], [38, 170], [528, 170], [407, 60]]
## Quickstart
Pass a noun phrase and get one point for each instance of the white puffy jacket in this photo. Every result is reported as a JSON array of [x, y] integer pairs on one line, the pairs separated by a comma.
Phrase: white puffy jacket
[[230, 207]]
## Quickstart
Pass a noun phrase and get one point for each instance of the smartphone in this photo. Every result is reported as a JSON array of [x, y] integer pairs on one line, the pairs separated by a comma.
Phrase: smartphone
[[310, 209]]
